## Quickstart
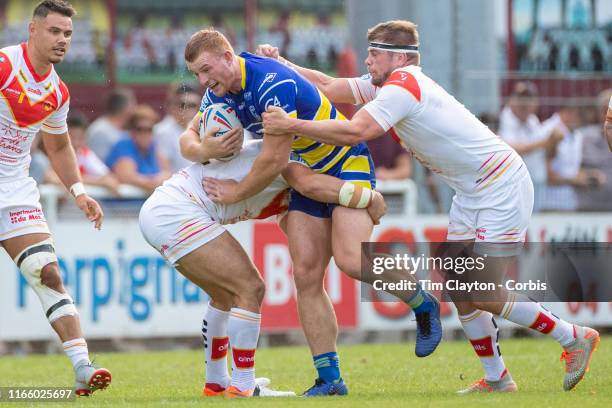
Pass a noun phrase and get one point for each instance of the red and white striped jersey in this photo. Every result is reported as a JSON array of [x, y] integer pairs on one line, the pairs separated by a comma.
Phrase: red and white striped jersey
[[29, 102], [438, 130]]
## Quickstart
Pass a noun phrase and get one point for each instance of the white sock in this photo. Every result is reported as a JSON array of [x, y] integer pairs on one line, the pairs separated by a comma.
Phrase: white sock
[[520, 309], [243, 329], [216, 344], [482, 332], [76, 350]]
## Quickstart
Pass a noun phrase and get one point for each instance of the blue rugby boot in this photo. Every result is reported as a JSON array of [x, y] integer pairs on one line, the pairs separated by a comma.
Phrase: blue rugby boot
[[323, 389], [429, 327]]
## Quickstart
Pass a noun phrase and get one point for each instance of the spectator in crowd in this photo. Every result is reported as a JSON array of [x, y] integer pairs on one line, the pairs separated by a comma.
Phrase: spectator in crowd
[[281, 26], [137, 44], [93, 170], [391, 160], [136, 160], [105, 131], [595, 155], [40, 167], [182, 105], [564, 162], [169, 53], [219, 24], [520, 128]]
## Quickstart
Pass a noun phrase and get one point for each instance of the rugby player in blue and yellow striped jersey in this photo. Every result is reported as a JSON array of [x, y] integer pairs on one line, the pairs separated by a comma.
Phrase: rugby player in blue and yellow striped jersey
[[250, 84]]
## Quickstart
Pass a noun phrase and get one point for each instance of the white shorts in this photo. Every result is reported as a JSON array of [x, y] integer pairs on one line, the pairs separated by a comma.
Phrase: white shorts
[[176, 227], [497, 222], [20, 210]]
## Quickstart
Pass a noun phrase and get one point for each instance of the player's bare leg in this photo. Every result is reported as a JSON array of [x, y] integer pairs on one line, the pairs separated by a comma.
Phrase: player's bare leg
[[309, 246], [210, 266], [237, 290], [221, 275], [35, 257], [351, 227]]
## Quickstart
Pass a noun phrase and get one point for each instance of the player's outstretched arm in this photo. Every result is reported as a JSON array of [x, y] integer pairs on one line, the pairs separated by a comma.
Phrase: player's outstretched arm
[[64, 163], [209, 147], [360, 128], [328, 189], [337, 90], [270, 162]]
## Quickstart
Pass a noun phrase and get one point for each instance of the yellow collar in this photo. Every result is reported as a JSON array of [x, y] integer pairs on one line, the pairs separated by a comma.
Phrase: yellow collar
[[242, 63]]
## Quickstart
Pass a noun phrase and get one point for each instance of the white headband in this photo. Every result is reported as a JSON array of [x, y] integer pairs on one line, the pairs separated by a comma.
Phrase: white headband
[[411, 49]]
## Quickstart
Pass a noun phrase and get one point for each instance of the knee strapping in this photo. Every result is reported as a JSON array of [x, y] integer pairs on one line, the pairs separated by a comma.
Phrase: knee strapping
[[31, 262]]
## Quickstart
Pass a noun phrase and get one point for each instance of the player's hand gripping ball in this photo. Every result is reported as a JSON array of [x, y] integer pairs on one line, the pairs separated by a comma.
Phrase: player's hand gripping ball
[[222, 117]]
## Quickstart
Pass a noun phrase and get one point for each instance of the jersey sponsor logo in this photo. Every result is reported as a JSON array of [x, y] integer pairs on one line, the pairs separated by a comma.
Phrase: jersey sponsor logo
[[254, 113], [481, 233], [35, 91], [12, 140], [12, 91], [483, 347], [205, 101], [543, 324], [407, 81], [20, 216], [244, 358], [275, 102]]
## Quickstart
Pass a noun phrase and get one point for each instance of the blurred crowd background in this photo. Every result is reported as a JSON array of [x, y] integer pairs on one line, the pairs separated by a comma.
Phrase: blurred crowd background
[[537, 72]]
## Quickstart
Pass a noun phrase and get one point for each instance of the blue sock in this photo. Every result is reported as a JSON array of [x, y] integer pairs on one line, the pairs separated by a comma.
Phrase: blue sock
[[420, 301], [327, 366]]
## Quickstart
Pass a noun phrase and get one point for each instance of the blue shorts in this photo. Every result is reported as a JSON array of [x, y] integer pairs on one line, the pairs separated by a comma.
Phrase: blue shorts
[[355, 167]]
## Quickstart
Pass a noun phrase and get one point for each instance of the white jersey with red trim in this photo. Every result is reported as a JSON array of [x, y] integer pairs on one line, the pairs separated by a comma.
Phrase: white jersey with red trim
[[439, 131], [272, 200], [28, 103]]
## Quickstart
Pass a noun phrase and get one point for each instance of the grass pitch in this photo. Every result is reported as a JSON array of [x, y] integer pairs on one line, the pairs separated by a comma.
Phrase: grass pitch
[[377, 375]]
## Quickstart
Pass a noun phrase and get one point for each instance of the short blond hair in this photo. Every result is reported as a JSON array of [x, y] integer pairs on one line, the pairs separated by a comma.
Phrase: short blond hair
[[206, 40], [395, 32]]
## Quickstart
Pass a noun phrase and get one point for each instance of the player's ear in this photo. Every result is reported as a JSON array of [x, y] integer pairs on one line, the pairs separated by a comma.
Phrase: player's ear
[[32, 26], [401, 58], [228, 56]]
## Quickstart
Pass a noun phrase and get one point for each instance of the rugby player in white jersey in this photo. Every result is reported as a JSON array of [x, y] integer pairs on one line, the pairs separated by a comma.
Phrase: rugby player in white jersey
[[34, 99], [494, 193], [186, 227]]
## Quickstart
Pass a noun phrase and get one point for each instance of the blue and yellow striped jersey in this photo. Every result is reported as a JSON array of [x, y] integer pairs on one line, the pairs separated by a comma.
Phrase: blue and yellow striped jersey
[[265, 82]]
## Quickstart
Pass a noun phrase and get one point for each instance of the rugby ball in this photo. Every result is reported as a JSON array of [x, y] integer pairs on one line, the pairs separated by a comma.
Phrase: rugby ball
[[222, 116]]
